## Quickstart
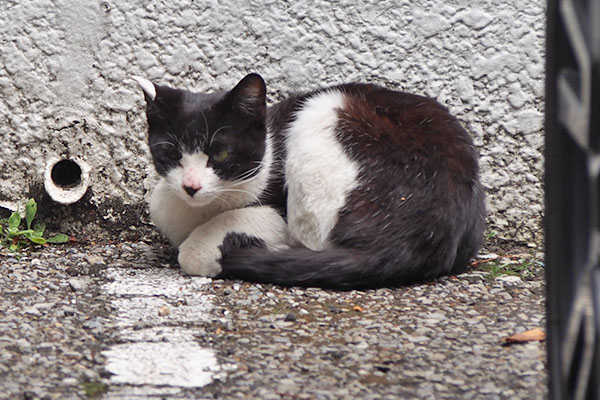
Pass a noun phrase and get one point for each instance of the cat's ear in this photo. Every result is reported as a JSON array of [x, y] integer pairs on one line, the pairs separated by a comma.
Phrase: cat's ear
[[162, 102], [250, 95], [148, 88]]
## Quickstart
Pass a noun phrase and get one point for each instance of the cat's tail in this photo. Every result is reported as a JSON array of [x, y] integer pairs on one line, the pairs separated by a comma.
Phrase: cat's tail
[[338, 268]]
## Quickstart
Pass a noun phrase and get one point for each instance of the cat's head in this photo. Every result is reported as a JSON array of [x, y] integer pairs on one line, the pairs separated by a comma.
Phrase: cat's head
[[206, 145]]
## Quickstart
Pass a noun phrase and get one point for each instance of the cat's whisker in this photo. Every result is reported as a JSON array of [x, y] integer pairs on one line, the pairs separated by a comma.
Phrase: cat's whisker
[[205, 121], [242, 182], [248, 174], [215, 133], [219, 199], [236, 190], [162, 143], [172, 136]]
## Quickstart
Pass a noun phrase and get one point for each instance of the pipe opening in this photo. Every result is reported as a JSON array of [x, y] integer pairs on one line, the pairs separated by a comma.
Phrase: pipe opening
[[65, 180], [66, 174]]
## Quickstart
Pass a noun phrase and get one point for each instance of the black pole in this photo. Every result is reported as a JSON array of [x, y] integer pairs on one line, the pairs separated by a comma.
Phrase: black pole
[[572, 217]]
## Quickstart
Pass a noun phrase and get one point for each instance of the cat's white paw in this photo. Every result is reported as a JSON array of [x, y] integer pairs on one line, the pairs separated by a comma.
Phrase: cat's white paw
[[199, 260]]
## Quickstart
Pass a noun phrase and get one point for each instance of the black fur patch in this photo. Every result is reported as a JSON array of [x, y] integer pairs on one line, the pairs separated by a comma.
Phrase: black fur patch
[[236, 241]]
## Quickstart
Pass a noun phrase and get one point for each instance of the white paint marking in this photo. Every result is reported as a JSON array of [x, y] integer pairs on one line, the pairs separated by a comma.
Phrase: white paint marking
[[183, 364], [319, 174], [162, 356], [164, 282]]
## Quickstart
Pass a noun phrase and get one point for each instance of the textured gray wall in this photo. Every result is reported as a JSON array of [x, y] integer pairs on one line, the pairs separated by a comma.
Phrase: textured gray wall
[[65, 88]]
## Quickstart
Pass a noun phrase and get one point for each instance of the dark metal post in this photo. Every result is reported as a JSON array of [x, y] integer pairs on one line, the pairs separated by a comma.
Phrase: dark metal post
[[572, 214]]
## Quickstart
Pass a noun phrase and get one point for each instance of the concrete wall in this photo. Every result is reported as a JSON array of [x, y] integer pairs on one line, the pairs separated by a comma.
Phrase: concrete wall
[[65, 89]]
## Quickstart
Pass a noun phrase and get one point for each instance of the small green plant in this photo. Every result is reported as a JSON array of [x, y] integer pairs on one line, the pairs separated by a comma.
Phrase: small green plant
[[520, 267], [94, 388], [489, 235], [14, 236]]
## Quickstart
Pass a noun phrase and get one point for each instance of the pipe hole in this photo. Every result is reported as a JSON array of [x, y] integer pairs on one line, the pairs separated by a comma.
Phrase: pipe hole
[[66, 174]]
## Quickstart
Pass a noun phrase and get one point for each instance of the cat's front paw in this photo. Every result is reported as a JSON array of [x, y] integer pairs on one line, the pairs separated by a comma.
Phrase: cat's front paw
[[199, 262]]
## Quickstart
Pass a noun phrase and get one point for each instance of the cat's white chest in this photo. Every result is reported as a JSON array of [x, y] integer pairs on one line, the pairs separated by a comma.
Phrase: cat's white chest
[[174, 217], [319, 173]]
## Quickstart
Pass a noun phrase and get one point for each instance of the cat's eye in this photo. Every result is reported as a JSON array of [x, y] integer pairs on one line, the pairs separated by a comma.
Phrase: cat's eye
[[173, 154], [220, 156]]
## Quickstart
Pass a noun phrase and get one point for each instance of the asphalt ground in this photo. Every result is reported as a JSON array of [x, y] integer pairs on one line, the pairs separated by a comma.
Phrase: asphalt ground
[[119, 321]]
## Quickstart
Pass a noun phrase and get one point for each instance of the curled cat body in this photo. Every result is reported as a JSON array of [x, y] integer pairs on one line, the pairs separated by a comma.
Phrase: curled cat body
[[351, 186]]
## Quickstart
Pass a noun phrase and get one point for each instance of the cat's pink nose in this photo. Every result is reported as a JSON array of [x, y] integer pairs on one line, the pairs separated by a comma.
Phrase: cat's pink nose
[[191, 190]]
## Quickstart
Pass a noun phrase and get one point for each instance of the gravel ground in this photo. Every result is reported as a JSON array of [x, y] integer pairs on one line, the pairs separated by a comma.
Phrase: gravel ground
[[119, 321]]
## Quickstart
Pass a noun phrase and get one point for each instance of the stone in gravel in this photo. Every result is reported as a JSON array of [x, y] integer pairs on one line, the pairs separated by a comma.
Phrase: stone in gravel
[[473, 277], [93, 324], [510, 280], [67, 310], [29, 395], [32, 311], [490, 388], [94, 259], [287, 386], [45, 305], [290, 317], [78, 284]]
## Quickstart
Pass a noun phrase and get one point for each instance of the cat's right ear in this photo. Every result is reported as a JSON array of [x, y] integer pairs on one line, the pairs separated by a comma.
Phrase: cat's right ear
[[162, 102], [148, 88]]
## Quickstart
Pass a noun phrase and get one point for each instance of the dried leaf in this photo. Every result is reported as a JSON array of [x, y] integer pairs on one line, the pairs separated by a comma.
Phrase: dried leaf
[[533, 335]]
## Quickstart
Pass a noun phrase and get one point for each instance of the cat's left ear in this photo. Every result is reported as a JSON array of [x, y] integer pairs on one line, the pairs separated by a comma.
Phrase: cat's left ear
[[250, 95], [148, 88]]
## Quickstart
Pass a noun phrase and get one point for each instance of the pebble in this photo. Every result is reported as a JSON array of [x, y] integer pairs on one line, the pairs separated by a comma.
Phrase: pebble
[[78, 284], [290, 317], [32, 311], [509, 280]]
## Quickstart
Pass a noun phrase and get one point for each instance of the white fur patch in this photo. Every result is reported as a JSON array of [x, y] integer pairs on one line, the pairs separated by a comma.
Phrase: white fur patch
[[173, 216], [200, 254], [195, 173], [319, 174]]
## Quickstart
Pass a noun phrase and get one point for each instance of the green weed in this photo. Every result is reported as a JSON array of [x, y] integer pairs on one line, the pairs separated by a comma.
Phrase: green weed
[[521, 267], [489, 235], [94, 389], [15, 236]]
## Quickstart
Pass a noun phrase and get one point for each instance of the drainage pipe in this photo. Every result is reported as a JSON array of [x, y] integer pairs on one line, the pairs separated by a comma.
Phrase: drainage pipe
[[66, 180]]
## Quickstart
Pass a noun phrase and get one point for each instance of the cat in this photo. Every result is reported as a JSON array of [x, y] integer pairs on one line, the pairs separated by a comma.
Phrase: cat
[[351, 186]]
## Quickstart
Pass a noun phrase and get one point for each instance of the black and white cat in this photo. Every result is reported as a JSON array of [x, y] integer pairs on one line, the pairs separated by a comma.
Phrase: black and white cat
[[346, 187]]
